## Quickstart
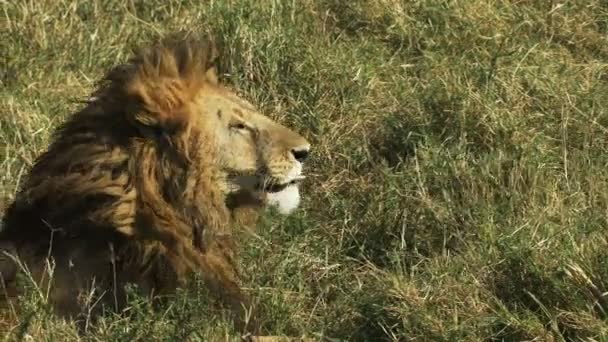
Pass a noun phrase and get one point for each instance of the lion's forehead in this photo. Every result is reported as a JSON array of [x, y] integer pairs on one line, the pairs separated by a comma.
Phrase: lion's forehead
[[230, 100], [232, 104], [274, 140]]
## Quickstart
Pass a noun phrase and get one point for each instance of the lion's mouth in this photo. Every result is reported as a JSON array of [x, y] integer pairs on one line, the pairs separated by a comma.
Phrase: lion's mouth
[[273, 187]]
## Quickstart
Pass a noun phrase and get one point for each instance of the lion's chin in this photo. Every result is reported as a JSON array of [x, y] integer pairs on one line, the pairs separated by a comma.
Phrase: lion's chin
[[248, 191], [286, 200]]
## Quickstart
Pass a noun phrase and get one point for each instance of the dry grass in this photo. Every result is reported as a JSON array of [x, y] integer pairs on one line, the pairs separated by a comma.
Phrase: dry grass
[[458, 189]]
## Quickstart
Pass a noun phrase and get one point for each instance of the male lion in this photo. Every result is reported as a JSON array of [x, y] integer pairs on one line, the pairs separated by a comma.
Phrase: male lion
[[143, 185]]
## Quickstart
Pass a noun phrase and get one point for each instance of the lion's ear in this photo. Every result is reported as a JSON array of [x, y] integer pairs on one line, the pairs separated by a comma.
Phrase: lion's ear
[[211, 75], [159, 106], [159, 122]]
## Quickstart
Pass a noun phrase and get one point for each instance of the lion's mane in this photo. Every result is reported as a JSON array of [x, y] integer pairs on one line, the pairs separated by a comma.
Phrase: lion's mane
[[128, 190]]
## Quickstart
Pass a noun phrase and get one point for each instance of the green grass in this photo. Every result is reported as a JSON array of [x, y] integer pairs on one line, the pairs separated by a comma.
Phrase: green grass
[[458, 189]]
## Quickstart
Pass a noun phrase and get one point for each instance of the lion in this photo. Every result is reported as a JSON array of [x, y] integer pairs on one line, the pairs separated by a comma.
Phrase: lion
[[145, 184]]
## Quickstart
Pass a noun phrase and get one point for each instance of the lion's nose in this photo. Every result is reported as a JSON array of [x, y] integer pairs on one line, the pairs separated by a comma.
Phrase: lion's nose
[[300, 154]]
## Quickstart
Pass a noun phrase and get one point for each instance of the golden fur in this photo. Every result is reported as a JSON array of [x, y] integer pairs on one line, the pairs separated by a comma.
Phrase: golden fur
[[145, 183]]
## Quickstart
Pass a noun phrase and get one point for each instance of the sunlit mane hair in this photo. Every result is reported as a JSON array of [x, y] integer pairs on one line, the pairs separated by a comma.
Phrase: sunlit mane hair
[[161, 80]]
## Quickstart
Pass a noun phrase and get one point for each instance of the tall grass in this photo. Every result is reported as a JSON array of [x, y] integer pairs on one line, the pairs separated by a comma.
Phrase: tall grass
[[458, 187]]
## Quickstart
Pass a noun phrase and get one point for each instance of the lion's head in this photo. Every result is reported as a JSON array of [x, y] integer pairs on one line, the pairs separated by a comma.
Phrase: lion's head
[[257, 154], [175, 87]]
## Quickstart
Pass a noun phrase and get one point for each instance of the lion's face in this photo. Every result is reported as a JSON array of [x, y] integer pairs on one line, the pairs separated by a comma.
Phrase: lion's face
[[257, 154]]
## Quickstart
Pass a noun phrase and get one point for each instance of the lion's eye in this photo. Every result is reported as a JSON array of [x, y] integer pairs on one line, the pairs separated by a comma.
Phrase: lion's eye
[[238, 126]]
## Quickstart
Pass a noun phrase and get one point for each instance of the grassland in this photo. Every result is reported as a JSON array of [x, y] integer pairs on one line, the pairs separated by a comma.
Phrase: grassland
[[458, 188]]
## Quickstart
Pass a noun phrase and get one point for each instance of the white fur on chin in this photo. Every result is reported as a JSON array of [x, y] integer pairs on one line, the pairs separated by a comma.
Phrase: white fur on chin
[[286, 201]]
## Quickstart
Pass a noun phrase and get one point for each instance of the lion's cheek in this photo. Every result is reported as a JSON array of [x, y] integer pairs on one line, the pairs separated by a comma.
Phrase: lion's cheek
[[285, 201]]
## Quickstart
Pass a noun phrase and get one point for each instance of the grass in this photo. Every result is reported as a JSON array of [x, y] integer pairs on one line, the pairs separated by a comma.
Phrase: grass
[[458, 189]]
